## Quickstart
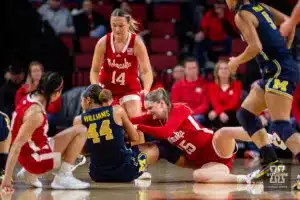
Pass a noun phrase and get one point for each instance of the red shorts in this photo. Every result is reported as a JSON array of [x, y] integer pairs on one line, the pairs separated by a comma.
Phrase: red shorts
[[208, 154], [120, 99], [38, 162]]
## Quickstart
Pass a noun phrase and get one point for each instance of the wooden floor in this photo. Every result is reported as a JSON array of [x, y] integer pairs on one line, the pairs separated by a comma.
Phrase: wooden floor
[[168, 182]]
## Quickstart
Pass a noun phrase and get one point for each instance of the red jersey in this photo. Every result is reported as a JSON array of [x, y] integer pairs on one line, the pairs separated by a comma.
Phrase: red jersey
[[36, 148], [181, 130], [119, 72]]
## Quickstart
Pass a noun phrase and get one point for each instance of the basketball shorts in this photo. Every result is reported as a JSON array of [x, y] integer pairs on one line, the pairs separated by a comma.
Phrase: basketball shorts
[[120, 99], [131, 169], [279, 77], [209, 154], [41, 161]]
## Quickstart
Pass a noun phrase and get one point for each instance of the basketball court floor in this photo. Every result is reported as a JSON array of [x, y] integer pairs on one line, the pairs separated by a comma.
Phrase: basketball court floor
[[168, 182]]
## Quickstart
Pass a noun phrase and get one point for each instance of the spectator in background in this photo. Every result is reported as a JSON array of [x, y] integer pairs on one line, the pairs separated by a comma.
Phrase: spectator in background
[[225, 97], [178, 73], [9, 89], [217, 26], [35, 72], [88, 22], [192, 90], [58, 17]]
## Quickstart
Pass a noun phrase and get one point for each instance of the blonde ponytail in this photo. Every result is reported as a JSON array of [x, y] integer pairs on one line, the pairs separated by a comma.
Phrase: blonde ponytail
[[133, 24]]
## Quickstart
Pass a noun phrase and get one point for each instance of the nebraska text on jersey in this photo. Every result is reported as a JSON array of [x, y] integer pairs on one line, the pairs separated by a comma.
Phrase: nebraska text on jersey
[[176, 136], [124, 65]]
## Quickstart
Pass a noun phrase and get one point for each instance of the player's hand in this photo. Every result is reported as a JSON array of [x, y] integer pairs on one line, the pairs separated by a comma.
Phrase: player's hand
[[144, 92], [286, 27], [233, 65], [224, 117], [6, 186], [212, 115]]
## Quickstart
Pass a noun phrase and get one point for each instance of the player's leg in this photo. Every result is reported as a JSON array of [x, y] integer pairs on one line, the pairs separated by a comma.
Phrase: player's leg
[[216, 173], [133, 107], [252, 106], [69, 143], [280, 115]]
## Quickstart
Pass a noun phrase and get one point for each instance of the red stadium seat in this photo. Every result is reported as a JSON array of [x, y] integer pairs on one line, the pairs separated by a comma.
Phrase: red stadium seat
[[161, 29], [70, 5], [161, 62], [68, 41], [161, 45], [238, 46], [167, 12], [104, 10], [211, 2], [83, 61], [74, 79], [86, 78], [79, 79], [88, 44], [138, 11]]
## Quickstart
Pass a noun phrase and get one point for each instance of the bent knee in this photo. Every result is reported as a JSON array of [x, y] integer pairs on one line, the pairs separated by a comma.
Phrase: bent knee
[[200, 176]]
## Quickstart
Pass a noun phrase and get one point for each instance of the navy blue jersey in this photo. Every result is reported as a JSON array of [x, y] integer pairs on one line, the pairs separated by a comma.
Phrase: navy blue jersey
[[106, 143], [274, 45], [279, 70]]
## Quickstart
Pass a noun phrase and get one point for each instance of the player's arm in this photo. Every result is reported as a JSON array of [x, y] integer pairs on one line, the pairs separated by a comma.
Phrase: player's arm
[[145, 67], [98, 59], [176, 118], [32, 120], [77, 121], [295, 17], [133, 135], [144, 119], [279, 18], [245, 23]]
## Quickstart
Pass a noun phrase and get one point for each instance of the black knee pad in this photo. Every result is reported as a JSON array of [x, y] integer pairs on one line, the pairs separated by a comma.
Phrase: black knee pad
[[4, 126], [284, 129], [250, 122]]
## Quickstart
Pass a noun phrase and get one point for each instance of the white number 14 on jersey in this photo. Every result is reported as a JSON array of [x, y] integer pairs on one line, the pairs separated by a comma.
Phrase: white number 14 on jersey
[[120, 79]]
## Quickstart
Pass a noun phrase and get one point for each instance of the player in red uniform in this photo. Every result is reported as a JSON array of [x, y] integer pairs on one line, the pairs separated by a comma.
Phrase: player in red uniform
[[116, 62], [210, 153], [31, 147]]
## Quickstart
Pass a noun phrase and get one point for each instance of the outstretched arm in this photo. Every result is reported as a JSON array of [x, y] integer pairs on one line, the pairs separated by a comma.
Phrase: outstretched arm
[[287, 27], [97, 60]]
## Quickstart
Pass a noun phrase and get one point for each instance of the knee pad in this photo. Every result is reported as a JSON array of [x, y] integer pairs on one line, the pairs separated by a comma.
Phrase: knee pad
[[250, 122], [168, 151], [4, 127], [283, 129]]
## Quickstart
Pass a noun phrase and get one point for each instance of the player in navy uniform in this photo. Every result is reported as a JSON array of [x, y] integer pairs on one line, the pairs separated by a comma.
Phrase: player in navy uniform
[[111, 159], [5, 140], [258, 25]]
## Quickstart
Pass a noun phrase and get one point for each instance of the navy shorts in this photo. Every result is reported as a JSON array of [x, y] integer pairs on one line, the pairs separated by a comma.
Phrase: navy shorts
[[4, 126], [280, 77], [133, 167]]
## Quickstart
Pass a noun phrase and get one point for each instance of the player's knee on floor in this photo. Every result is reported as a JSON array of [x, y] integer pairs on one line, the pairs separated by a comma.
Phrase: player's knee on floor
[[200, 176], [250, 122], [283, 129]]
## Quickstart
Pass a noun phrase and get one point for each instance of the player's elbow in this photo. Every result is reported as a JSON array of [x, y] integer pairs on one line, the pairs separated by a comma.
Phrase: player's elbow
[[255, 48]]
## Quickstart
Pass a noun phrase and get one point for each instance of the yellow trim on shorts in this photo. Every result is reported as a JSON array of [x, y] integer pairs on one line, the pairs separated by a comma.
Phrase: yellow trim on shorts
[[268, 89], [278, 68], [264, 55]]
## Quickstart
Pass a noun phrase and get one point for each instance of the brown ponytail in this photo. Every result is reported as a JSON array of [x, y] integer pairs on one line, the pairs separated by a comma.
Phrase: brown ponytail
[[105, 96], [133, 24]]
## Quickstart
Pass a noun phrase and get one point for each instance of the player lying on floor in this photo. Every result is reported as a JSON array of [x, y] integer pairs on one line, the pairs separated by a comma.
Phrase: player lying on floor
[[211, 154]]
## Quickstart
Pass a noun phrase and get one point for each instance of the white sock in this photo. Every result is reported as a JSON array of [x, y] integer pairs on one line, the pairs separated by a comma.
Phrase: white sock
[[241, 178], [66, 168]]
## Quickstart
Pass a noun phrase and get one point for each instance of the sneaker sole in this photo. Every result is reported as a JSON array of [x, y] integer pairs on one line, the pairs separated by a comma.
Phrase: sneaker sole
[[60, 187]]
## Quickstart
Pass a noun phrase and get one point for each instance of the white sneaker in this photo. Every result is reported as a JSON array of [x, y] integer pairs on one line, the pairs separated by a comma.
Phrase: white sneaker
[[80, 160], [65, 194], [275, 139], [250, 177], [29, 178], [68, 181], [142, 183], [145, 175]]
